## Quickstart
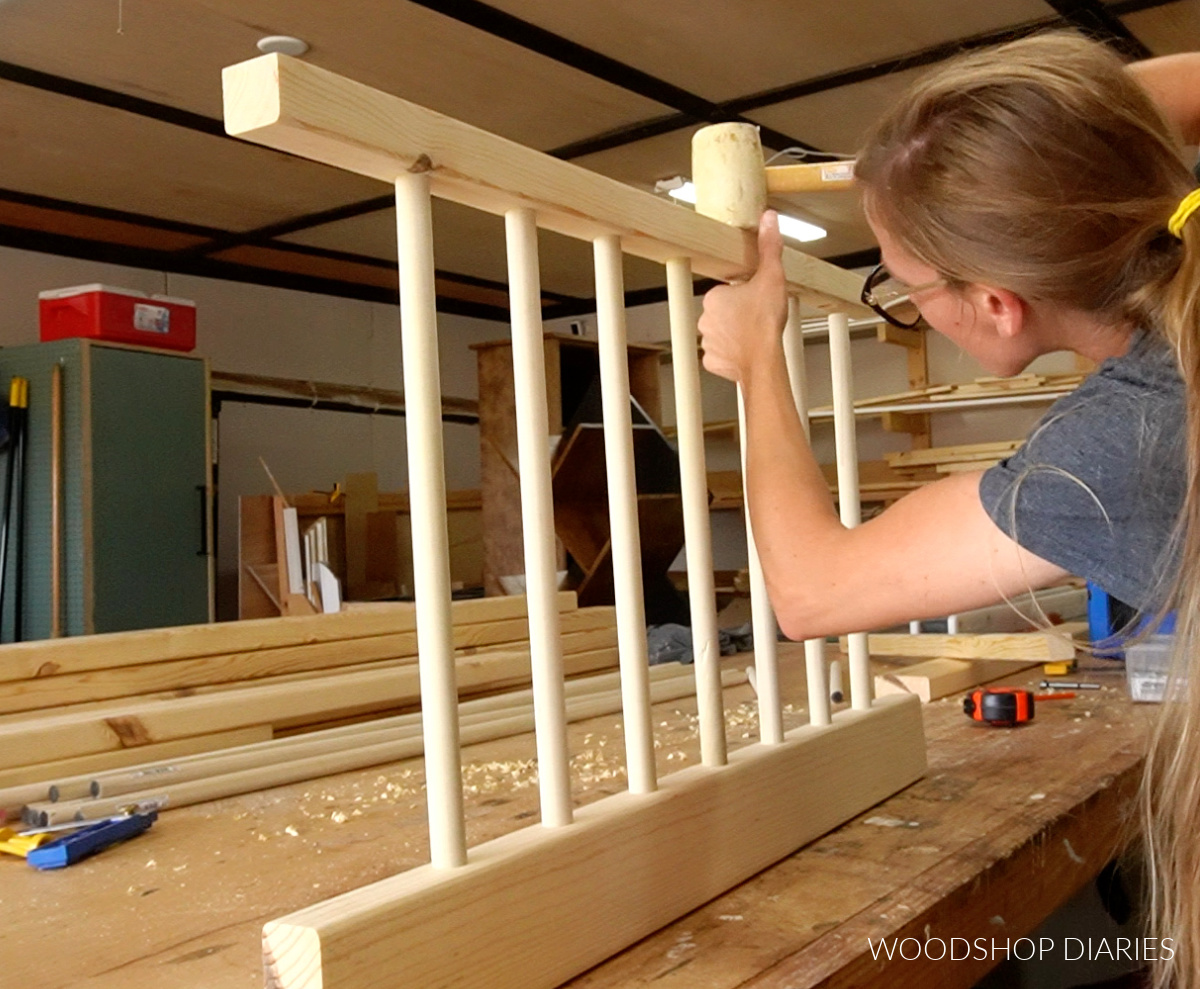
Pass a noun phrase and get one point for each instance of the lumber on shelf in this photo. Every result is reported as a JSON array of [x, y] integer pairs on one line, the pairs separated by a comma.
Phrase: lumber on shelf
[[1048, 386], [877, 482], [952, 459], [1018, 646]]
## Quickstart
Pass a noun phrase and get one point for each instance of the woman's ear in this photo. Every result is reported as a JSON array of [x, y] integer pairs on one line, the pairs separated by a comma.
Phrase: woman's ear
[[1004, 310]]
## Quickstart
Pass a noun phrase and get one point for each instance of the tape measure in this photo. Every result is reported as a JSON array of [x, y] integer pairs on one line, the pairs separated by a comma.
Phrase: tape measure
[[1006, 706]]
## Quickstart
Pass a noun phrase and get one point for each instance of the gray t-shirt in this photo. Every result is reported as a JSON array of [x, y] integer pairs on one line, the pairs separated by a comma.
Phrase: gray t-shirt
[[1098, 485]]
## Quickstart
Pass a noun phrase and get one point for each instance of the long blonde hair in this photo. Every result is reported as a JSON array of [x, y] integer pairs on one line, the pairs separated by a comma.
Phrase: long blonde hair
[[1042, 167]]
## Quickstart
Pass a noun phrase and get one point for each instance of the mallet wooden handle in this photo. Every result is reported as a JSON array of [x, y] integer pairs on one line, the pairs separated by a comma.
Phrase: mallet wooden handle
[[821, 176]]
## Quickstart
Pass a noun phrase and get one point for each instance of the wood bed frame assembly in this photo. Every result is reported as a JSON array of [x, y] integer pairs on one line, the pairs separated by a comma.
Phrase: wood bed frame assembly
[[537, 907]]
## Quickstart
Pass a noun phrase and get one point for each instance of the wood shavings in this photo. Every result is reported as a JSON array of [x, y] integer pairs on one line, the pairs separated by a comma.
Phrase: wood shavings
[[493, 777], [891, 822], [682, 946]]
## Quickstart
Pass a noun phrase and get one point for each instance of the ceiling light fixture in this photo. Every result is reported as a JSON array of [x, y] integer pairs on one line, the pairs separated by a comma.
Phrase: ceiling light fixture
[[791, 227], [282, 44]]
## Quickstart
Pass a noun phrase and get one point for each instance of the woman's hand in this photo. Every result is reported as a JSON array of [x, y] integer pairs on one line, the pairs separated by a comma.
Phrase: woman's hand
[[742, 324]]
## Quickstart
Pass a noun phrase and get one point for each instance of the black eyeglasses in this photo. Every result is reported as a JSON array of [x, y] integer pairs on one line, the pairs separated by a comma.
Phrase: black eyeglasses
[[891, 298]]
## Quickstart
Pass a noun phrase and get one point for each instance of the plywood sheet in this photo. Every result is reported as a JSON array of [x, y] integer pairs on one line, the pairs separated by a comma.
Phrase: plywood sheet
[[720, 50], [1166, 30], [56, 146], [837, 119], [173, 51]]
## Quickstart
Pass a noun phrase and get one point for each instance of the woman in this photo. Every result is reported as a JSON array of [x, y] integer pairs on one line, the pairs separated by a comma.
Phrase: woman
[[1027, 199]]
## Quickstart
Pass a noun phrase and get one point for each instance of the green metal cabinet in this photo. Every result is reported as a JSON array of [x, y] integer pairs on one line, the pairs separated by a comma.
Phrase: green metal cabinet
[[136, 496]]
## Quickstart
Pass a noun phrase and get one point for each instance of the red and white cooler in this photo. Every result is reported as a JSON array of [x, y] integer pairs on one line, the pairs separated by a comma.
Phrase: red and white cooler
[[119, 315]]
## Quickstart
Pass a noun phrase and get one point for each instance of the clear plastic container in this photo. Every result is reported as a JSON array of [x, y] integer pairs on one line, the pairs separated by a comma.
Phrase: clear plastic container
[[1147, 663]]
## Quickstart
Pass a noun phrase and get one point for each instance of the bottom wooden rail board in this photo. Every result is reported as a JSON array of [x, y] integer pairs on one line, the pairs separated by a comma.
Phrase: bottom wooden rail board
[[536, 907]]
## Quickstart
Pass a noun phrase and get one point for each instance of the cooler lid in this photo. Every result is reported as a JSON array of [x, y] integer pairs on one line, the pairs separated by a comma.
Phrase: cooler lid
[[67, 293]]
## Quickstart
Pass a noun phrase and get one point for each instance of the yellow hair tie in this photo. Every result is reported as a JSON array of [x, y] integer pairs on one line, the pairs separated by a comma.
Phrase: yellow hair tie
[[1189, 205]]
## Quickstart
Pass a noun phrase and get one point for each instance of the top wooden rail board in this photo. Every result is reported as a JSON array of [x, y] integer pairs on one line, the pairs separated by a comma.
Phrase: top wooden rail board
[[25, 660], [182, 906], [293, 106]]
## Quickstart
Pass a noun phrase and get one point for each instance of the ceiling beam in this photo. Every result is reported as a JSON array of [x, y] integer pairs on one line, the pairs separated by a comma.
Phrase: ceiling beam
[[107, 213], [111, 98], [503, 25], [268, 232], [1096, 20], [554, 46], [175, 262]]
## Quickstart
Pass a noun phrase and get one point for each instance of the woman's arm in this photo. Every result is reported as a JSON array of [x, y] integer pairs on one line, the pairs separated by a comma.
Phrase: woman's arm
[[1173, 82], [933, 553]]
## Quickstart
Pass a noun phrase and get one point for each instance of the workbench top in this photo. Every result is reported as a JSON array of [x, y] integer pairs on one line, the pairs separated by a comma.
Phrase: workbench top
[[1006, 826]]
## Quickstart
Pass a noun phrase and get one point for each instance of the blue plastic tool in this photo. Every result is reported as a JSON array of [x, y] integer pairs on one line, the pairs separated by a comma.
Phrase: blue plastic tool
[[89, 840]]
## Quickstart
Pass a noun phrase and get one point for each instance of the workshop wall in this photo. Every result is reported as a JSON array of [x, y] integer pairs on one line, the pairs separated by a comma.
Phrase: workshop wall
[[253, 329]]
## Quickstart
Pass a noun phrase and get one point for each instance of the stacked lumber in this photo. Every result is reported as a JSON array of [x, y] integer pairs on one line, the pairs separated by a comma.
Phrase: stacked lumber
[[186, 780], [959, 662], [1027, 385], [951, 459], [878, 481], [80, 705]]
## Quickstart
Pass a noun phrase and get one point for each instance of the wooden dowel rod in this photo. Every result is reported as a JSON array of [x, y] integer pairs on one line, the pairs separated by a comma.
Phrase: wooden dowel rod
[[248, 780], [622, 513], [849, 506], [79, 786], [133, 781], [361, 757], [427, 495], [579, 707], [762, 618], [702, 595], [814, 649], [537, 515], [56, 479], [13, 798], [35, 788]]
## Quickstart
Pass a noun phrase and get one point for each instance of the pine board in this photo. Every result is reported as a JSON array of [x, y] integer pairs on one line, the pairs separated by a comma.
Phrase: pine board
[[539, 906]]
